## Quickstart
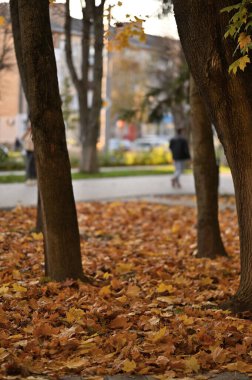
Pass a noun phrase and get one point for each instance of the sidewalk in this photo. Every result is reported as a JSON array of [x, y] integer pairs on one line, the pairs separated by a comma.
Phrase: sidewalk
[[111, 188]]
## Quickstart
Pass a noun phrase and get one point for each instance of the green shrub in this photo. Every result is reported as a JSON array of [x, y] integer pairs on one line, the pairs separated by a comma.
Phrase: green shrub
[[156, 156]]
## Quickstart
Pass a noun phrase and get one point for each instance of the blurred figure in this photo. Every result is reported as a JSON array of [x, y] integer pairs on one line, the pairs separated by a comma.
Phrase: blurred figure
[[17, 145], [180, 153], [28, 145]]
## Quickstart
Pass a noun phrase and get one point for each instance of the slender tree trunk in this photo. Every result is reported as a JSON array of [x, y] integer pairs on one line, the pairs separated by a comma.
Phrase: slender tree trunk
[[229, 99], [206, 176], [19, 55], [59, 214], [89, 114]]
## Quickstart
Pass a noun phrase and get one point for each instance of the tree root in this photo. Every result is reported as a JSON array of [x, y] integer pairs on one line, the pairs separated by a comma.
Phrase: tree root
[[237, 305]]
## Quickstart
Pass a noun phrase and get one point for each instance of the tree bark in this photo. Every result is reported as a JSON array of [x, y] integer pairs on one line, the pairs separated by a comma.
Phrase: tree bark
[[229, 99], [89, 114], [206, 177], [19, 55], [34, 39]]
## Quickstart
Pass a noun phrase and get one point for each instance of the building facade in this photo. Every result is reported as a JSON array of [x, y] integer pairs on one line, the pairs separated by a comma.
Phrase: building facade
[[126, 76]]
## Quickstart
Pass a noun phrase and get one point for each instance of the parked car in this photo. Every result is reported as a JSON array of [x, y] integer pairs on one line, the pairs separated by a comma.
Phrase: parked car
[[119, 144], [149, 142]]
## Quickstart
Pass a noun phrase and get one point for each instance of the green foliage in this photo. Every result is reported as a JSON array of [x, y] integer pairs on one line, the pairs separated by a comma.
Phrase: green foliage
[[240, 30], [172, 90], [156, 156]]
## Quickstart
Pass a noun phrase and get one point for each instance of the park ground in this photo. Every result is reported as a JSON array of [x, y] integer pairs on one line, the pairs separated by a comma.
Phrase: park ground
[[152, 310]]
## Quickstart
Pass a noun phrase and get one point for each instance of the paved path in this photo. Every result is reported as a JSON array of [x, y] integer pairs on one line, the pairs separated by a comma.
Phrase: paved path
[[109, 188]]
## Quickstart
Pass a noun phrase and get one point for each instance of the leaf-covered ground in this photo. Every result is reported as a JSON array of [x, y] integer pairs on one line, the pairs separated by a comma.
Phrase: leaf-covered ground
[[151, 311]]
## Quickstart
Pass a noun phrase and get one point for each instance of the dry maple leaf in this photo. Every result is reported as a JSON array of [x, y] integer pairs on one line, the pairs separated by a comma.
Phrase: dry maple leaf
[[192, 364], [129, 365], [119, 322]]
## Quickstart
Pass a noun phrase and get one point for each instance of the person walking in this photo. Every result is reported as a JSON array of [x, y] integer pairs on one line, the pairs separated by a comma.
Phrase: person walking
[[31, 174], [180, 153]]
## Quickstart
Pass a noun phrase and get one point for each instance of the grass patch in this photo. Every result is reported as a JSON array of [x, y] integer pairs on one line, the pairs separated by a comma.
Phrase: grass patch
[[108, 174], [126, 172], [12, 179], [123, 173]]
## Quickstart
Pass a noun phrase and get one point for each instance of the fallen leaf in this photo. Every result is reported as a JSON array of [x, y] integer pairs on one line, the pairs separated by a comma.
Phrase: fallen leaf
[[162, 288], [128, 365], [192, 364], [159, 335]]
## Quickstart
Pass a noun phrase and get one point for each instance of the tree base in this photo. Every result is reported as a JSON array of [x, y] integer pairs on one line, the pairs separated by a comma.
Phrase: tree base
[[211, 254], [237, 305]]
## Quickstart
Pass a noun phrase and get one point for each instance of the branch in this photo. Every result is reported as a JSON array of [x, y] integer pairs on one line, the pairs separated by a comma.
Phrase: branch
[[86, 22], [14, 11], [68, 47]]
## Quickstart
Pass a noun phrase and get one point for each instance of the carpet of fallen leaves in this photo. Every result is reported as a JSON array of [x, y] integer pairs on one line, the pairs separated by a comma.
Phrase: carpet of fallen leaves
[[152, 309]]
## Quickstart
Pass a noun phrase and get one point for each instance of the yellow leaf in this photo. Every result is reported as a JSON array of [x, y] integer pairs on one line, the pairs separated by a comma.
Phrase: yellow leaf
[[156, 337], [105, 291], [16, 274], [122, 268], [2, 20], [192, 364], [19, 288], [122, 299], [240, 63], [4, 290], [175, 228], [206, 281], [162, 287], [186, 320], [74, 315], [38, 236], [107, 275], [119, 3], [128, 365]]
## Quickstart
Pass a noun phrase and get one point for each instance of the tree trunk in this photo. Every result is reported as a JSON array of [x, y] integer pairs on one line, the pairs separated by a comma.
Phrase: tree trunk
[[59, 214], [20, 62], [39, 219], [89, 114], [206, 176], [229, 99]]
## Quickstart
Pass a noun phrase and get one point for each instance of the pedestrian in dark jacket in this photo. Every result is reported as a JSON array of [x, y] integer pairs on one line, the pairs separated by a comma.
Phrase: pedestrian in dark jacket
[[180, 153]]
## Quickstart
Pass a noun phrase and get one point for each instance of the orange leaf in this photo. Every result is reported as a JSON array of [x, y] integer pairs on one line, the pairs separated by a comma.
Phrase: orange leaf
[[120, 322]]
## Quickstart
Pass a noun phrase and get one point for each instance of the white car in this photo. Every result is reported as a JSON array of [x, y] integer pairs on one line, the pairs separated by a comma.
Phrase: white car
[[119, 144], [149, 142]]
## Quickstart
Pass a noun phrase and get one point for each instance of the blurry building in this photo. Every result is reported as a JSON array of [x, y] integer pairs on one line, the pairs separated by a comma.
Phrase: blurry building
[[127, 74], [134, 71], [13, 106]]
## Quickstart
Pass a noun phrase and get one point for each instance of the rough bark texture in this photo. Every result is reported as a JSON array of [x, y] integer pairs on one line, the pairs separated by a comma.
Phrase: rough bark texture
[[92, 33], [229, 99], [206, 176], [34, 40], [19, 55]]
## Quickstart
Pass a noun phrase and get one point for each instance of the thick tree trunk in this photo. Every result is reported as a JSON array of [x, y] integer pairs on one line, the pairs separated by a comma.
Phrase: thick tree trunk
[[89, 114], [59, 214], [206, 176], [229, 99]]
